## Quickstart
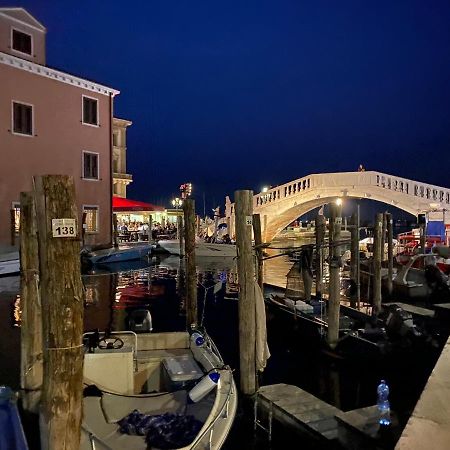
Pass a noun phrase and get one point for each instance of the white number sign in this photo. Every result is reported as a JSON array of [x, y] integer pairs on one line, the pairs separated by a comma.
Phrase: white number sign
[[249, 220], [64, 228]]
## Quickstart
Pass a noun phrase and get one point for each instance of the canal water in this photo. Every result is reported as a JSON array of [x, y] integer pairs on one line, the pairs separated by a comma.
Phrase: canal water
[[347, 384]]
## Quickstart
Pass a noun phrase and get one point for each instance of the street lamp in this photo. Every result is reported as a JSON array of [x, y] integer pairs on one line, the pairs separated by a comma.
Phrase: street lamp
[[177, 203]]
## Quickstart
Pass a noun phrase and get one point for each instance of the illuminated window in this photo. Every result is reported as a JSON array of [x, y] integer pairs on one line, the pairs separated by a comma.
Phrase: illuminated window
[[90, 110], [91, 218], [16, 214]]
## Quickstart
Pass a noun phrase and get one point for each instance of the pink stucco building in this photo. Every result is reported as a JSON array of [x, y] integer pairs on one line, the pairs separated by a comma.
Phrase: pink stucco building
[[51, 123]]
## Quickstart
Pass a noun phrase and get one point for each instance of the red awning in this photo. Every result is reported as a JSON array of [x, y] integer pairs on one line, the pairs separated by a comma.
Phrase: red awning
[[121, 204]]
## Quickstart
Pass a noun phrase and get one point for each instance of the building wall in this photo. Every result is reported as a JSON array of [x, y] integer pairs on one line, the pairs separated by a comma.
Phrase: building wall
[[57, 145], [121, 179], [38, 39]]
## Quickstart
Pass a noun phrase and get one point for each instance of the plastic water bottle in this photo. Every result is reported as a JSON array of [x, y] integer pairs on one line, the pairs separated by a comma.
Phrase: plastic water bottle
[[203, 387], [197, 339], [383, 404]]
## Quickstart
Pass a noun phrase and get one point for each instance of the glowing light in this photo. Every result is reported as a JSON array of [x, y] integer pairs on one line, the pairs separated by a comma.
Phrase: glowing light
[[264, 189], [339, 201], [177, 202]]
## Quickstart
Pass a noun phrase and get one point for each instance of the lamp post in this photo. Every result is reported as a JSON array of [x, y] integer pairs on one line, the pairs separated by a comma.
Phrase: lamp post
[[177, 203]]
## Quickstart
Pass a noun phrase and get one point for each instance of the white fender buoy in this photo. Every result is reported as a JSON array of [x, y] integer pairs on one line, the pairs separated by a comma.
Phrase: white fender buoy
[[203, 387]]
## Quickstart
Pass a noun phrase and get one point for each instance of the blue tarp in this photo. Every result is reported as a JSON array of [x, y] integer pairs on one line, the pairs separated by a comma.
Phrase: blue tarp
[[436, 228], [164, 431], [12, 436]]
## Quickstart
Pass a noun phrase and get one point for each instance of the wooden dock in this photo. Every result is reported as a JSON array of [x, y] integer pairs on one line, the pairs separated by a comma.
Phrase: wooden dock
[[298, 409], [429, 426]]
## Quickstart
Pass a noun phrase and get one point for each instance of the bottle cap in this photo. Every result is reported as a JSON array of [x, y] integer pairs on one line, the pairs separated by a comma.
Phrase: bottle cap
[[214, 376]]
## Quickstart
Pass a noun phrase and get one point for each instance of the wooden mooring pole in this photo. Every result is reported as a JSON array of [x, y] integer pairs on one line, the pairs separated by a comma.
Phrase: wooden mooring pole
[[320, 239], [30, 302], [377, 257], [246, 274], [115, 232], [259, 251], [354, 262], [12, 221], [62, 299], [180, 234], [191, 272], [334, 300], [390, 238]]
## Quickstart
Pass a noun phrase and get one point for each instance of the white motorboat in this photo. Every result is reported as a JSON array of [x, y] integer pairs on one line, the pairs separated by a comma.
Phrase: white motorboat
[[161, 375], [120, 254], [202, 248], [9, 264]]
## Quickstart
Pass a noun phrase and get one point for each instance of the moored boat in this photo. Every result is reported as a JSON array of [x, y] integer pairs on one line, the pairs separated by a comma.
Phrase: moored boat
[[169, 390], [202, 249], [115, 255], [9, 264]]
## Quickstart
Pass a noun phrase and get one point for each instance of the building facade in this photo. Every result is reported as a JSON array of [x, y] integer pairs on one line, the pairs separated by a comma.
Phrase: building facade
[[121, 179], [52, 122]]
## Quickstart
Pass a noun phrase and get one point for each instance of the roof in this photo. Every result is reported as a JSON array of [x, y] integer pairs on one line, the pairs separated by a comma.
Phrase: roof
[[23, 16], [57, 75], [121, 204]]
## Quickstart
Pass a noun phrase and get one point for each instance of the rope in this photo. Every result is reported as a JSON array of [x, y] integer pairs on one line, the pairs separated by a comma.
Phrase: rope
[[65, 348]]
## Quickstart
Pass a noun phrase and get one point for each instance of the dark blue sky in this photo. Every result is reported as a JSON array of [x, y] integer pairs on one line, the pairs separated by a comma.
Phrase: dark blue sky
[[235, 95]]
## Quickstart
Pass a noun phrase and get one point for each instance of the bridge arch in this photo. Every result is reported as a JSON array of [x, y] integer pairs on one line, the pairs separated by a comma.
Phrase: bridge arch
[[282, 204]]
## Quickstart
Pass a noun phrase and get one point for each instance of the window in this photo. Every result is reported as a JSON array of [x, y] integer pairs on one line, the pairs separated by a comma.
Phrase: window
[[22, 119], [15, 216], [115, 139], [90, 111], [90, 165], [21, 42], [90, 214]]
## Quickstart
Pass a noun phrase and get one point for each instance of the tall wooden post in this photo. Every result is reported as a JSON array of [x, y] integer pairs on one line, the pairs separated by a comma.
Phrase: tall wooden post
[[390, 238], [191, 272], [320, 239], [30, 301], [246, 274], [115, 231], [383, 238], [62, 299], [334, 300], [259, 250], [198, 223], [149, 230], [180, 234], [354, 263], [12, 221], [423, 234], [377, 262]]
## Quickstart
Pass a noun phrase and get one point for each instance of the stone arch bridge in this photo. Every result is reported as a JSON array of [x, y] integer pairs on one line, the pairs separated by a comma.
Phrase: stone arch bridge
[[281, 205]]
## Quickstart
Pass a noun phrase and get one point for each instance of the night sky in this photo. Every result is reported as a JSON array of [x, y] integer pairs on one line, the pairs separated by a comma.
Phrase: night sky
[[241, 94]]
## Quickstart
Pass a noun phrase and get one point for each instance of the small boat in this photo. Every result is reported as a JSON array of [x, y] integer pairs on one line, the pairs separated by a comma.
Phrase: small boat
[[115, 255], [421, 279], [13, 437], [169, 390], [9, 264], [202, 249]]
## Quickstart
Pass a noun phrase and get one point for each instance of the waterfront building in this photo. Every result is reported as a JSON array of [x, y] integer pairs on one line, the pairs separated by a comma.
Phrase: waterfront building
[[121, 179], [53, 123]]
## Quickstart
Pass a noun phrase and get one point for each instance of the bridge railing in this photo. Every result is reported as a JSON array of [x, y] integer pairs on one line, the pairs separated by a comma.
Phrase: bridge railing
[[425, 192]]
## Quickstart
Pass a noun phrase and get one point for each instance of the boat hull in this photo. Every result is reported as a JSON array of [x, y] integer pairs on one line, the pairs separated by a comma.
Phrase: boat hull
[[10, 266], [113, 255], [202, 249]]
